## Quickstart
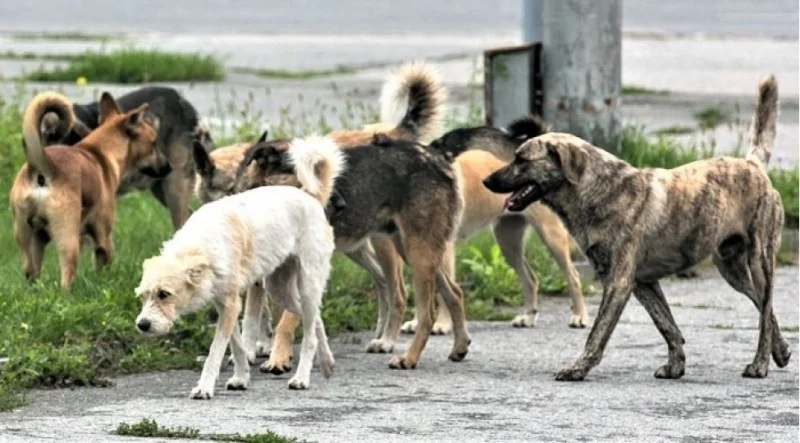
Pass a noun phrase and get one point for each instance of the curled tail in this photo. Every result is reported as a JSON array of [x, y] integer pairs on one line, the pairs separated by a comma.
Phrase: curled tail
[[762, 131], [416, 90], [60, 119], [528, 127], [318, 161]]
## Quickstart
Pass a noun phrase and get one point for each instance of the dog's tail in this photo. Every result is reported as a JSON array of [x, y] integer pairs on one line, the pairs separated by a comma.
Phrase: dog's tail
[[528, 127], [318, 161], [416, 90], [762, 131], [43, 104]]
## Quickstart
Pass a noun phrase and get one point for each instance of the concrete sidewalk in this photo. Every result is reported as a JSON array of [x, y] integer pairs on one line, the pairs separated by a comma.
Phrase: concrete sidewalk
[[504, 391]]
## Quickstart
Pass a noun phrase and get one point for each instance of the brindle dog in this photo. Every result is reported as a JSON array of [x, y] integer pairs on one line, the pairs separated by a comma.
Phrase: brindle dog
[[640, 225]]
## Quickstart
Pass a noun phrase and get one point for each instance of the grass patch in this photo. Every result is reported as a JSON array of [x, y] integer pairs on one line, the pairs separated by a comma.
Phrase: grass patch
[[134, 66], [711, 117], [73, 36], [13, 55], [722, 326], [283, 74], [641, 90], [150, 429], [790, 329]]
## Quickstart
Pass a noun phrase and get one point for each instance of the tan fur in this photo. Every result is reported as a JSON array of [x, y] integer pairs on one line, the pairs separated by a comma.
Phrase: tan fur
[[50, 104], [75, 193]]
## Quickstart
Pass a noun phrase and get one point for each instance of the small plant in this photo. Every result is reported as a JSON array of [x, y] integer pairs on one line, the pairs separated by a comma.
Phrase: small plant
[[150, 429], [132, 65], [641, 90], [711, 117], [283, 74]]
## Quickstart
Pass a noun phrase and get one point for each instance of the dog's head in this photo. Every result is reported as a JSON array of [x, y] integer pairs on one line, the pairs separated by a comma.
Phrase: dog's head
[[202, 134], [137, 130], [541, 166], [266, 163], [170, 287], [216, 170]]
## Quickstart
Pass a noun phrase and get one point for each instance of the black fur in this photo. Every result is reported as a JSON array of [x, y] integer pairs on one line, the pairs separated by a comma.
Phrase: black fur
[[499, 142]]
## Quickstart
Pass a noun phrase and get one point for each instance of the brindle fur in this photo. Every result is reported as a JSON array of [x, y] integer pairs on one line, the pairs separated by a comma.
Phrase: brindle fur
[[640, 225]]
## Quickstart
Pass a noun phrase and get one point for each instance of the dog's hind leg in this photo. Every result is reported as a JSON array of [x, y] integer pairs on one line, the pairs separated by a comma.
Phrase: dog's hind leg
[[556, 237], [103, 245], [618, 285], [365, 257], [391, 263], [654, 302], [453, 299], [324, 352], [228, 316], [304, 297], [278, 284], [66, 236], [509, 231], [241, 368], [31, 246]]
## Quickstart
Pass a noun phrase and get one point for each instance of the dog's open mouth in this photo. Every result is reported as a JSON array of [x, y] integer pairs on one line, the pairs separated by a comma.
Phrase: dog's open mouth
[[521, 198]]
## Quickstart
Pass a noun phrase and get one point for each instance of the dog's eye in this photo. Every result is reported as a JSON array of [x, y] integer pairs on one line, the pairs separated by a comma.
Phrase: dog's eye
[[162, 294]]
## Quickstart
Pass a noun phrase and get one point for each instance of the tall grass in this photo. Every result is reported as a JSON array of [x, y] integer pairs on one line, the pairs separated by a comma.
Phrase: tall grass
[[131, 65]]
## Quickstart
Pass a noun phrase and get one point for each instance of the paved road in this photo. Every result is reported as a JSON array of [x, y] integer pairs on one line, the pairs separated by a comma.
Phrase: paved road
[[504, 391]]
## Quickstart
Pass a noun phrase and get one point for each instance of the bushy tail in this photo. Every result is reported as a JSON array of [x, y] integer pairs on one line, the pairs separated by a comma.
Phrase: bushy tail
[[528, 127], [318, 161], [762, 131], [416, 90], [42, 104]]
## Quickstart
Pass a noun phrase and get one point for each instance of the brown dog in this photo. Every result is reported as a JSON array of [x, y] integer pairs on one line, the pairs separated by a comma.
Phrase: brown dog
[[63, 193], [640, 225]]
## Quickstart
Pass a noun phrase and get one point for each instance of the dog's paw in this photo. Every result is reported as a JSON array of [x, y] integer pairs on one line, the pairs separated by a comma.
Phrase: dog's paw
[[441, 328], [275, 368], [571, 374], [670, 371], [380, 346], [262, 349], [409, 327], [237, 383], [200, 393], [327, 367], [755, 371], [781, 353], [402, 362], [578, 321], [297, 383], [524, 321]]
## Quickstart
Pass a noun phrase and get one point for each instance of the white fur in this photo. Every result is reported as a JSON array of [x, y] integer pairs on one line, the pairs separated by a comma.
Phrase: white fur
[[395, 96], [310, 153], [292, 244]]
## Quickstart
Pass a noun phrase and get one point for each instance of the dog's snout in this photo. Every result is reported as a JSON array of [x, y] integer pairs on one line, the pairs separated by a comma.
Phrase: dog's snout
[[143, 325]]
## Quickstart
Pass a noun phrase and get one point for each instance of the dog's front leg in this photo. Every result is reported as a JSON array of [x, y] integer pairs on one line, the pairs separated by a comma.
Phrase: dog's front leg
[[241, 367], [228, 315], [617, 291]]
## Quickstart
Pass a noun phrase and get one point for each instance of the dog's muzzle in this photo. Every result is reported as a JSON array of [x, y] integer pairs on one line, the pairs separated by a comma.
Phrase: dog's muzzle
[[157, 171], [143, 325]]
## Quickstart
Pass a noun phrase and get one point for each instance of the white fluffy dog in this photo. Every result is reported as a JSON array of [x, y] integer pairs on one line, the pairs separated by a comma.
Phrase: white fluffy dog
[[279, 233]]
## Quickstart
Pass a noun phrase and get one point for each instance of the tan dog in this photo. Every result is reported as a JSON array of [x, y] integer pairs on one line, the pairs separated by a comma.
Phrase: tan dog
[[63, 192], [638, 226]]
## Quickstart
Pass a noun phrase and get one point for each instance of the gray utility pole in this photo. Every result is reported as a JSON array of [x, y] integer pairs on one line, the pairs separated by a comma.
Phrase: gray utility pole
[[581, 44]]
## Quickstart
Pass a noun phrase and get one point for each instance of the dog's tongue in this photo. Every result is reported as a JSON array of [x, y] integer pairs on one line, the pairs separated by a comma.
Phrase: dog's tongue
[[508, 202]]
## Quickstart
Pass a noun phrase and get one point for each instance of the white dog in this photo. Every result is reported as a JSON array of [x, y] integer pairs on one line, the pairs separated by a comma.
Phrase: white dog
[[279, 233]]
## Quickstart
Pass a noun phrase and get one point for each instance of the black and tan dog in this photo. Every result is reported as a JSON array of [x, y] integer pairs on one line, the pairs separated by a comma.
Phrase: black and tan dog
[[399, 191], [640, 225], [66, 123], [478, 152], [420, 90], [64, 193]]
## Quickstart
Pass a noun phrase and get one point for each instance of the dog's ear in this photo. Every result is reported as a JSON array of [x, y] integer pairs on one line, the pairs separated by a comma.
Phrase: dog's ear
[[203, 163], [263, 137], [154, 111], [107, 108], [571, 158], [196, 267], [135, 119]]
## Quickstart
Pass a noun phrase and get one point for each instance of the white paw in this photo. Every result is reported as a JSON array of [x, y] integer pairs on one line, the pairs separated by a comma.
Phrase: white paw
[[297, 383], [380, 346], [524, 321], [578, 321], [200, 393], [441, 328], [262, 349], [237, 383], [409, 327]]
